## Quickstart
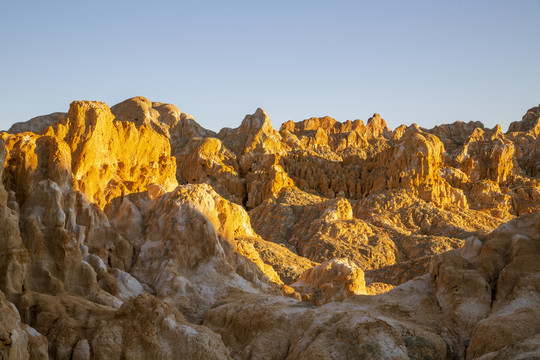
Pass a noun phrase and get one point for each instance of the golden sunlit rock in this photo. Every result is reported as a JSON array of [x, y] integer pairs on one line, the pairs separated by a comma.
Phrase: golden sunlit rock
[[133, 232]]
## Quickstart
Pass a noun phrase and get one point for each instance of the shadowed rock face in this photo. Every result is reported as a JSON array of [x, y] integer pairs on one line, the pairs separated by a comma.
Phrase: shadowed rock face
[[133, 232]]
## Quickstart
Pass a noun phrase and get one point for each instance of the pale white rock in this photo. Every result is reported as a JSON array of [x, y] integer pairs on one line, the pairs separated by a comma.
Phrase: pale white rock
[[127, 285]]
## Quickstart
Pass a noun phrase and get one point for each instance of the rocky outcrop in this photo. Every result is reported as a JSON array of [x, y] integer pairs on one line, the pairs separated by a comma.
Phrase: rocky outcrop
[[271, 243], [489, 285], [18, 340], [334, 280], [188, 232], [438, 315], [102, 157], [129, 157], [206, 160], [390, 327], [143, 327], [165, 119], [530, 122], [255, 136], [258, 147]]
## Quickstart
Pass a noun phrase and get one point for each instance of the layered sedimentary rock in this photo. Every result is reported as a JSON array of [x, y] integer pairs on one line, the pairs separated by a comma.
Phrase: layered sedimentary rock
[[133, 232]]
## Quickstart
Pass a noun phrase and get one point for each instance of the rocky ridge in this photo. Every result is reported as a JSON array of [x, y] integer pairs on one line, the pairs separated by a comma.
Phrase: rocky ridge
[[133, 232]]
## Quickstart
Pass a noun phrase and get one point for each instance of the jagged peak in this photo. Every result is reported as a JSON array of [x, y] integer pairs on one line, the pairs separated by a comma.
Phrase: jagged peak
[[256, 121], [477, 134], [529, 122], [326, 123], [255, 133], [374, 117], [497, 131], [535, 110], [457, 127], [399, 132], [376, 126]]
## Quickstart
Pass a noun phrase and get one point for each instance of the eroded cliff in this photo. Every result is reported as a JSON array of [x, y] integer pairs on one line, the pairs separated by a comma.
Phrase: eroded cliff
[[133, 232]]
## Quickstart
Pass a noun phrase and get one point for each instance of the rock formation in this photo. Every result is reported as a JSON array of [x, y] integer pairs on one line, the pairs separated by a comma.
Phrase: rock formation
[[334, 280], [132, 232]]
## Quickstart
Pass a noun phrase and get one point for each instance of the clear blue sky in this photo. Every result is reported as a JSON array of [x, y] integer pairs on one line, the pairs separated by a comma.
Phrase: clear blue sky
[[427, 62]]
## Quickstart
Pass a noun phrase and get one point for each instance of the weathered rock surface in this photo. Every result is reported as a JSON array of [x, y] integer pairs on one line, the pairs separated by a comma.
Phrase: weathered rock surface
[[480, 301], [334, 280], [102, 157], [103, 255], [18, 340]]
